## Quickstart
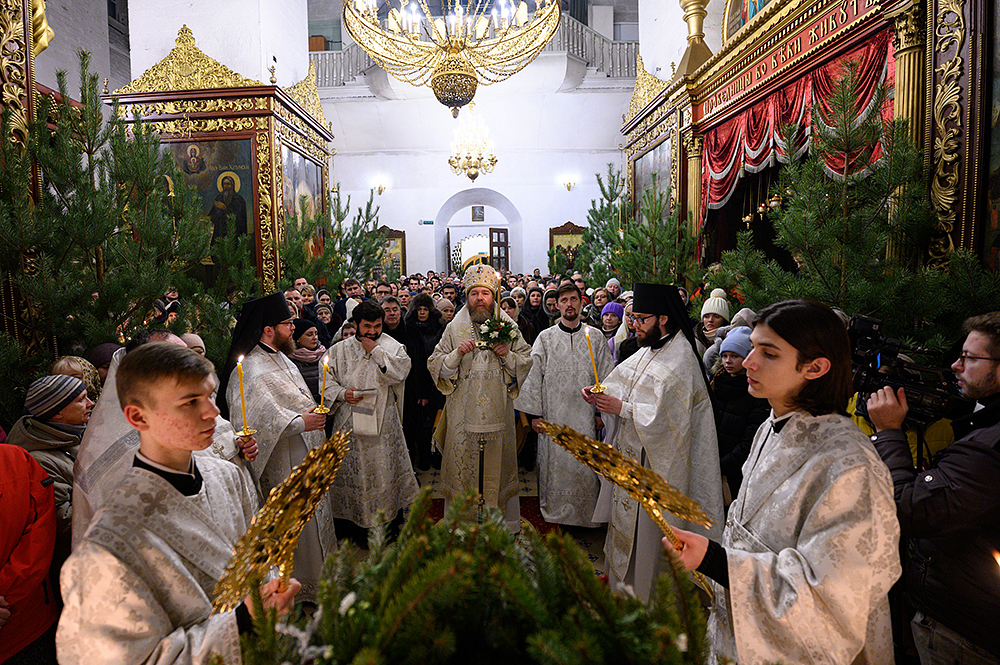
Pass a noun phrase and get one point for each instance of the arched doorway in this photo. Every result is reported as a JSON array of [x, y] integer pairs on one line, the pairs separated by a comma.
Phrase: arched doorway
[[506, 215]]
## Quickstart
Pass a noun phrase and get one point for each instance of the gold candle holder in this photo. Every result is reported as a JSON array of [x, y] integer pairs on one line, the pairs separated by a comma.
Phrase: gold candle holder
[[322, 393]]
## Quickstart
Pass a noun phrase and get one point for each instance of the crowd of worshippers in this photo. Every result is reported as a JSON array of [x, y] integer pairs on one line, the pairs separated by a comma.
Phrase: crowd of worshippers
[[830, 540]]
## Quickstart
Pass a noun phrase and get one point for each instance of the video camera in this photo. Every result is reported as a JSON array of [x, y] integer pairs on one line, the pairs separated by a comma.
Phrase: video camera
[[931, 393]]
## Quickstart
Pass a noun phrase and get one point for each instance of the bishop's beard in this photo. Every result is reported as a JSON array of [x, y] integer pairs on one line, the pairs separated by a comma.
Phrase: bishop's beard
[[480, 314]]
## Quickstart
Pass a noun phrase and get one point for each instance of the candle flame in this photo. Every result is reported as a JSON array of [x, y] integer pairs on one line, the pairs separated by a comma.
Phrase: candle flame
[[240, 359], [996, 555]]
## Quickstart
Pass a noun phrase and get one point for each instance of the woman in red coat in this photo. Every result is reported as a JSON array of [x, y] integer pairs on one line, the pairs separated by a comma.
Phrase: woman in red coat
[[28, 609]]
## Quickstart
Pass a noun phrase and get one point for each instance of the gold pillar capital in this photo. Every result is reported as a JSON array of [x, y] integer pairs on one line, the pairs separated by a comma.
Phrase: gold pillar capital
[[693, 144], [909, 26]]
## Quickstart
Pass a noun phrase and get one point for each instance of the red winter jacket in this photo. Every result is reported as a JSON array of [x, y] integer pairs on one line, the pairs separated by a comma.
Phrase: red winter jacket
[[27, 540]]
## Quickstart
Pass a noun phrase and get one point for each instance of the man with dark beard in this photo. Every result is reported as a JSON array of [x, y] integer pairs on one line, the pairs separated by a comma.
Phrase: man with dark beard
[[228, 202], [480, 383], [281, 408], [657, 411]]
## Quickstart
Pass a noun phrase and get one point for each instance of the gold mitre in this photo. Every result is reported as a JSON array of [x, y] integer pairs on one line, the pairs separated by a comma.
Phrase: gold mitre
[[481, 275]]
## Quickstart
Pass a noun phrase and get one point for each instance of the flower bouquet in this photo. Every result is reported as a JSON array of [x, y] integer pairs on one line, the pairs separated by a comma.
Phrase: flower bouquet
[[496, 331]]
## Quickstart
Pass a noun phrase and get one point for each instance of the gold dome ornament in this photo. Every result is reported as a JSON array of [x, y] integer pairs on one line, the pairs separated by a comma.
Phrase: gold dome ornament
[[454, 82]]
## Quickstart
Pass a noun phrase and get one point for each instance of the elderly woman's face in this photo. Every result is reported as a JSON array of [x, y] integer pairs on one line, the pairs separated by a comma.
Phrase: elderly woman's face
[[324, 315]]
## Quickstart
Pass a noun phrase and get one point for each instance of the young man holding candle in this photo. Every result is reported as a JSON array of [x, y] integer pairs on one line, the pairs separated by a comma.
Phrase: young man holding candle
[[365, 387], [138, 587], [281, 408], [562, 363]]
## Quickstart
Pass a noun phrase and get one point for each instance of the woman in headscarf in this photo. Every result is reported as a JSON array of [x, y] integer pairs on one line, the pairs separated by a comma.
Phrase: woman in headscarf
[[532, 310], [509, 306], [421, 399], [308, 351]]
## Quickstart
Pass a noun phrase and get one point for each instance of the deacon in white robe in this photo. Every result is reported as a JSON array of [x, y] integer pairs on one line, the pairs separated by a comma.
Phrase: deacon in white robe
[[109, 444], [280, 407], [661, 416], [365, 383], [560, 366], [811, 544], [479, 387], [138, 586]]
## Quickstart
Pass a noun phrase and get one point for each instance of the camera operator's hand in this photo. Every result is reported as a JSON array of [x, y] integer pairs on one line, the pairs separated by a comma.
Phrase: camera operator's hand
[[887, 409]]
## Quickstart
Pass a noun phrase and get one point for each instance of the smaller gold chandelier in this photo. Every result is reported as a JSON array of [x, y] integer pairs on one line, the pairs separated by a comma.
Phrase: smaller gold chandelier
[[472, 151]]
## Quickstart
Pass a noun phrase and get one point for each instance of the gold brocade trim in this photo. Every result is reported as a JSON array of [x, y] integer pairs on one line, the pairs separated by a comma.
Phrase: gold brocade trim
[[185, 127], [647, 87], [947, 127], [306, 94], [186, 67], [182, 106], [265, 175], [644, 137], [311, 135]]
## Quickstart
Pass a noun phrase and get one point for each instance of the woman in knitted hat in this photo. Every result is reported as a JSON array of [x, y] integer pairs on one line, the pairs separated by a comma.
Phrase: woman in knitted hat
[[307, 353], [447, 309], [714, 314], [738, 414], [58, 411]]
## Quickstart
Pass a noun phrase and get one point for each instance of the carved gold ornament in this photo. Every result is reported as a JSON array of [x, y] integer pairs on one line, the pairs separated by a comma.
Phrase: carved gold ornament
[[41, 33], [306, 94], [644, 485], [187, 67], [484, 44], [647, 87], [274, 532], [948, 127], [13, 69]]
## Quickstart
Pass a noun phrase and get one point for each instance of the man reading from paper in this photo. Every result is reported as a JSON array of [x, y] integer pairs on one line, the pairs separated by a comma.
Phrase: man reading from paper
[[282, 410], [660, 414], [365, 382], [480, 385]]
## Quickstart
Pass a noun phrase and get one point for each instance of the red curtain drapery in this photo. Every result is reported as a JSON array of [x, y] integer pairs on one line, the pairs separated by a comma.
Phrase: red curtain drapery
[[751, 140]]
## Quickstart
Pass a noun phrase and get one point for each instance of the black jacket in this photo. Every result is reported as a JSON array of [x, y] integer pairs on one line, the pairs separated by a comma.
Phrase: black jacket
[[951, 515], [738, 415]]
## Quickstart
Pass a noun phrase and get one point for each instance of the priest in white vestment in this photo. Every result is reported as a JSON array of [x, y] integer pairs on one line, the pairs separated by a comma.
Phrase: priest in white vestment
[[109, 444], [811, 544], [560, 366], [479, 385], [659, 414], [138, 586], [365, 383], [281, 408]]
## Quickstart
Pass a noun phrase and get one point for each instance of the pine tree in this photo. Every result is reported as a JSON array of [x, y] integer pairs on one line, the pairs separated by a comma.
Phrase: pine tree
[[659, 246], [860, 235], [361, 244], [605, 219], [461, 592], [104, 238]]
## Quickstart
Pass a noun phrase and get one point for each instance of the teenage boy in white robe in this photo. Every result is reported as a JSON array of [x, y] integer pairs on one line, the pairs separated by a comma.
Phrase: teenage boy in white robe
[[811, 545], [138, 587]]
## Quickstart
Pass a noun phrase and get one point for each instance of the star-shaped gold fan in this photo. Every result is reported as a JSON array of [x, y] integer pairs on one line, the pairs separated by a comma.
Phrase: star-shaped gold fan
[[274, 532], [644, 485]]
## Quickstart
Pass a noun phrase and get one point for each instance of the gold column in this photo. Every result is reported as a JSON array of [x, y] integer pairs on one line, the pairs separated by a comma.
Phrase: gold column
[[693, 147], [908, 42]]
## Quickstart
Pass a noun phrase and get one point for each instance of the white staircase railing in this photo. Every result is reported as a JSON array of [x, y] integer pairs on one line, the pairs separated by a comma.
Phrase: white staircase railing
[[615, 59]]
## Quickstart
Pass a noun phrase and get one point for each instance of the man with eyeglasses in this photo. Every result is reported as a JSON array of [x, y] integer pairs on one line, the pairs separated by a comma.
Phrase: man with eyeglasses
[[950, 512], [280, 406]]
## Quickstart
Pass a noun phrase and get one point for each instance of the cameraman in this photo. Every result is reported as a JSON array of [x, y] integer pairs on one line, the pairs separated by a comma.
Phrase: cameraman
[[951, 511]]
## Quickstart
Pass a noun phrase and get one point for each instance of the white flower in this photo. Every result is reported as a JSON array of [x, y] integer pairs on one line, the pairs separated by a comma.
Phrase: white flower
[[346, 602], [484, 328], [494, 334], [682, 642]]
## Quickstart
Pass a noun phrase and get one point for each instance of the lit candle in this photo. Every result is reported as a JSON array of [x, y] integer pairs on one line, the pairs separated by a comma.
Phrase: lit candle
[[322, 393], [243, 400], [597, 381]]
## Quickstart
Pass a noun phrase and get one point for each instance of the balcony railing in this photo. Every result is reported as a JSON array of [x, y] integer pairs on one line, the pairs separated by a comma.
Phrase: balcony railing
[[615, 59]]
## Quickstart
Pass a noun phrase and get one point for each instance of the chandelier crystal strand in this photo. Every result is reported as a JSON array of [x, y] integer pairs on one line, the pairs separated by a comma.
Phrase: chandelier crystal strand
[[472, 151], [484, 42]]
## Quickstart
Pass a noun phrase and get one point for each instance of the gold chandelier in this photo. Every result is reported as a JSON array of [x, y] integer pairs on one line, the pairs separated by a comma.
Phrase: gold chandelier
[[477, 44], [472, 151]]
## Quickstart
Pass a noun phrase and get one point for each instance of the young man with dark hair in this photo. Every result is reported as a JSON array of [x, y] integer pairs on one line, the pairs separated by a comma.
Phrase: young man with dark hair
[[561, 363], [365, 389], [352, 292], [138, 587], [951, 511]]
